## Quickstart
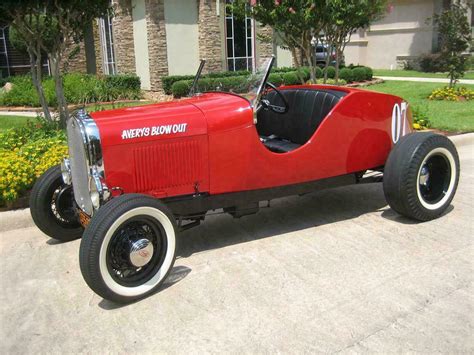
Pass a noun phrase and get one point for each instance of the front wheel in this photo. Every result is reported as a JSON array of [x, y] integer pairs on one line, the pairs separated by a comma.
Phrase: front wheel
[[53, 208], [128, 248], [421, 175]]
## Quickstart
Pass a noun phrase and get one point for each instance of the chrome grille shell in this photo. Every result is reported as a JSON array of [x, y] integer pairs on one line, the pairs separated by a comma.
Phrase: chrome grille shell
[[85, 156]]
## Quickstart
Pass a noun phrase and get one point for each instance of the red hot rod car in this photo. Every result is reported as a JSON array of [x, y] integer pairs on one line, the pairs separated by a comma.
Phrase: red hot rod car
[[136, 176]]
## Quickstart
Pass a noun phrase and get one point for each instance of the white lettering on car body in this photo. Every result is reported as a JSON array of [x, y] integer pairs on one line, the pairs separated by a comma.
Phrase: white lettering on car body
[[154, 130]]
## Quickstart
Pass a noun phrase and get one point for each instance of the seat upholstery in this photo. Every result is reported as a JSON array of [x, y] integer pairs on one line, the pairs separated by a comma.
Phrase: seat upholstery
[[307, 109]]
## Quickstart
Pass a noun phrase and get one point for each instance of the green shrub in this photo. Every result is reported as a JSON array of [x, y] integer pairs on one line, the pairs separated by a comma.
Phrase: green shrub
[[4, 80], [283, 70], [82, 88], [120, 87], [168, 81], [305, 72], [331, 72], [237, 84], [78, 89], [369, 73], [346, 74], [225, 74], [319, 73], [35, 129], [432, 63], [469, 62], [340, 82], [181, 88], [291, 78], [420, 119], [22, 93], [358, 74], [276, 79]]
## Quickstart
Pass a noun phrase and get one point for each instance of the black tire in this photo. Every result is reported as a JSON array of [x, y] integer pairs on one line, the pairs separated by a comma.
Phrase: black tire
[[57, 220], [105, 254], [421, 176]]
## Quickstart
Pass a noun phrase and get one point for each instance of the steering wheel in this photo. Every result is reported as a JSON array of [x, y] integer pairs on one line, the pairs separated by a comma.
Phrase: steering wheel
[[267, 105]]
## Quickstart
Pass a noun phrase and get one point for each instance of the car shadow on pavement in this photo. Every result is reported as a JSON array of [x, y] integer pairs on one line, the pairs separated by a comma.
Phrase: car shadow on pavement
[[285, 215], [394, 216], [53, 241], [176, 274]]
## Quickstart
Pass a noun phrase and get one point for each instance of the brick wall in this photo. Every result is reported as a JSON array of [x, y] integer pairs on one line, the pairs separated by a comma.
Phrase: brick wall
[[123, 36], [264, 41], [74, 59], [210, 38]]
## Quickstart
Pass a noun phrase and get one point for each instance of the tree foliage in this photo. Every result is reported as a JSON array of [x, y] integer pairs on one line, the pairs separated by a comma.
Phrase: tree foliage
[[455, 37], [294, 21], [344, 17], [51, 26], [302, 24]]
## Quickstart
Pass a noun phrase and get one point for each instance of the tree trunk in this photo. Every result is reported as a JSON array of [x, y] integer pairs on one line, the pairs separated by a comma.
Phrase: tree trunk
[[338, 56], [297, 64], [312, 69], [37, 75], [58, 85], [452, 80], [326, 66]]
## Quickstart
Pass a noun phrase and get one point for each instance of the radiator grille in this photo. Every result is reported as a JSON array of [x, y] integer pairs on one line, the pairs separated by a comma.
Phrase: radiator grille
[[79, 166], [167, 165]]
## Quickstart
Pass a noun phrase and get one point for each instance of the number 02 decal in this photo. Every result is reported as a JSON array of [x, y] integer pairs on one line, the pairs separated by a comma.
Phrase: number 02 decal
[[399, 121]]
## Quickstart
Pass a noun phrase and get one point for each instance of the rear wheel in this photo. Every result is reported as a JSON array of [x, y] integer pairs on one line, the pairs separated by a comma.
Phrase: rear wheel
[[128, 248], [421, 176], [53, 208]]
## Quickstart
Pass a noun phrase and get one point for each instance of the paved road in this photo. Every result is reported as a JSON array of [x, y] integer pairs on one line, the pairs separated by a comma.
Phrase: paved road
[[335, 271], [425, 80]]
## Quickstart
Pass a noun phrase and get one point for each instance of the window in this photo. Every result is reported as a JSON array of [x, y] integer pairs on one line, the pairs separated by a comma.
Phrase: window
[[239, 42], [4, 63], [107, 43], [12, 61]]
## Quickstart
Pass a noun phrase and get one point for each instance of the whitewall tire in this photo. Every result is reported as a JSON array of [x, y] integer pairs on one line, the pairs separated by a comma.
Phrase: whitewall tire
[[421, 175], [129, 247]]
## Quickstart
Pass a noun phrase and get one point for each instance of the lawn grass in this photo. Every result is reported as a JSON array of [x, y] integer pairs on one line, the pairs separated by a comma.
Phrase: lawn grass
[[417, 74], [7, 122], [444, 115]]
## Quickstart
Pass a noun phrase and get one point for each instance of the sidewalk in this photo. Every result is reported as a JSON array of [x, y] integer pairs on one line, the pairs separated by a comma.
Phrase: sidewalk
[[20, 113], [425, 80]]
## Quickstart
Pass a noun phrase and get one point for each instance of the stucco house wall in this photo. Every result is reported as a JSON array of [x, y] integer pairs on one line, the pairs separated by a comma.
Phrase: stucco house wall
[[402, 35]]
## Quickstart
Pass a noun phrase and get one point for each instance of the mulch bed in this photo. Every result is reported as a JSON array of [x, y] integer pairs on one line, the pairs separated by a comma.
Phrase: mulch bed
[[22, 202]]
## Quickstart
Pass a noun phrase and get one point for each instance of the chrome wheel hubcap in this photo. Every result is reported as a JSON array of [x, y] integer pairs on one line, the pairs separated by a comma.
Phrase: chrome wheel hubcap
[[424, 176], [141, 252]]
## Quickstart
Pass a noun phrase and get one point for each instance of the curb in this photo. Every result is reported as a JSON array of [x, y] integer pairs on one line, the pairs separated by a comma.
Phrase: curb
[[16, 219], [462, 139]]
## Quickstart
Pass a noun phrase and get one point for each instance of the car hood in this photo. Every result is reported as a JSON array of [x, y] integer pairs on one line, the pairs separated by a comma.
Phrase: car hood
[[149, 122]]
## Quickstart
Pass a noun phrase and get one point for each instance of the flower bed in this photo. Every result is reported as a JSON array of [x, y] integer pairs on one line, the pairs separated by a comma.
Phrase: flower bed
[[452, 94], [25, 154]]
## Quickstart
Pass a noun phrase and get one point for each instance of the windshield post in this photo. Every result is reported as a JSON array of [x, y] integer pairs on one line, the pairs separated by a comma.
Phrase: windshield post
[[264, 79], [196, 78], [258, 96]]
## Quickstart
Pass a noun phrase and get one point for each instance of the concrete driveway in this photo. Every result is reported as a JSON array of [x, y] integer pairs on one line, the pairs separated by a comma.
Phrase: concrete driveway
[[335, 271]]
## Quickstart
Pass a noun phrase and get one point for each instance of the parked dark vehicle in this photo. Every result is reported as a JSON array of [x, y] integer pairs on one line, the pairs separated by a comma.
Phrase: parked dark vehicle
[[321, 52]]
